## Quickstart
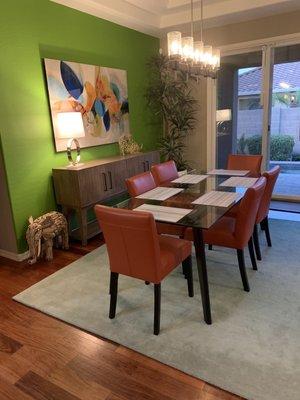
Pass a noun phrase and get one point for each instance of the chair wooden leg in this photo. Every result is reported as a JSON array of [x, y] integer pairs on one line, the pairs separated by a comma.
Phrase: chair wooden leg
[[113, 294], [267, 231], [210, 247], [157, 302], [252, 254], [187, 265], [184, 271], [110, 283], [241, 259], [256, 243]]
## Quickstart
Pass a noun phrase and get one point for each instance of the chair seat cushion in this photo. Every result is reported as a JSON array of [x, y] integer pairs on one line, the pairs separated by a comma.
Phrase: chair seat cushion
[[172, 252], [170, 229], [220, 234]]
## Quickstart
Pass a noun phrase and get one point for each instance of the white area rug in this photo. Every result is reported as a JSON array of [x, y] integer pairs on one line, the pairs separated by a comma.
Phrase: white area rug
[[251, 349]]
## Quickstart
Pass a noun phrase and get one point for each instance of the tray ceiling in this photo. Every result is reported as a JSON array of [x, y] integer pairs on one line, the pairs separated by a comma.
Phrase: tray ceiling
[[158, 16]]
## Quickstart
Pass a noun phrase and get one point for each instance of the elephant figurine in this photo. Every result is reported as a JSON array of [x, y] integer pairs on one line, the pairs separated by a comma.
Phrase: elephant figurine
[[41, 233]]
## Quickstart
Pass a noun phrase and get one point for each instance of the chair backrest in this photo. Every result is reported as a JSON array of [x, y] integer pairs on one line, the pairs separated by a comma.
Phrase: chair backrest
[[164, 172], [251, 163], [132, 242], [140, 183], [264, 206], [247, 212]]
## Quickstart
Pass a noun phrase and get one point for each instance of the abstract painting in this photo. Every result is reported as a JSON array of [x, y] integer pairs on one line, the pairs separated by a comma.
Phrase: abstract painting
[[99, 93]]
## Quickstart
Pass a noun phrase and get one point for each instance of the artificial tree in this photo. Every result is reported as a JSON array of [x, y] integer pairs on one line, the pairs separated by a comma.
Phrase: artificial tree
[[169, 95]]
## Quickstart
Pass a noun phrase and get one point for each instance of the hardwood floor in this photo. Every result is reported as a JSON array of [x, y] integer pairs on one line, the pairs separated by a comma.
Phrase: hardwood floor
[[42, 358]]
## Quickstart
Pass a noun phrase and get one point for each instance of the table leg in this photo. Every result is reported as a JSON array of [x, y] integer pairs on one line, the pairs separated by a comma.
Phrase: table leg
[[202, 272]]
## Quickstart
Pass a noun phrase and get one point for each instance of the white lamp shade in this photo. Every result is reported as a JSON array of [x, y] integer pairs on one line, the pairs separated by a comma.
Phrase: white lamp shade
[[207, 55], [216, 58], [198, 51], [223, 115], [174, 44], [70, 125], [187, 44]]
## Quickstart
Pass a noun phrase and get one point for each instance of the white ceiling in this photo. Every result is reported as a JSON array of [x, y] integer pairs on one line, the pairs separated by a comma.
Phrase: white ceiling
[[158, 16]]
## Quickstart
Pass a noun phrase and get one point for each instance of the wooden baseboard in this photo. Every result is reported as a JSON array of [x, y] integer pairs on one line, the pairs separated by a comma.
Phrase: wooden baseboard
[[14, 256]]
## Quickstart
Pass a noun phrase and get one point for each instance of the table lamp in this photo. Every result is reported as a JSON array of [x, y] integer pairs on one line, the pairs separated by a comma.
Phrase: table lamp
[[70, 126], [222, 117]]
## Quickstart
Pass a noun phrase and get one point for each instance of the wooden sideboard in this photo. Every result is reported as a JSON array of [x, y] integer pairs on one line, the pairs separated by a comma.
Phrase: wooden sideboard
[[78, 189]]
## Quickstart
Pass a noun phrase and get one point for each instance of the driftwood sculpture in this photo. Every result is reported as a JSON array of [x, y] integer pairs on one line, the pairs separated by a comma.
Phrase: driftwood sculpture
[[42, 232]]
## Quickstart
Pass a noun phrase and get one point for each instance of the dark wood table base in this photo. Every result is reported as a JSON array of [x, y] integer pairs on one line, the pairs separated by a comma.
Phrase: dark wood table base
[[202, 273]]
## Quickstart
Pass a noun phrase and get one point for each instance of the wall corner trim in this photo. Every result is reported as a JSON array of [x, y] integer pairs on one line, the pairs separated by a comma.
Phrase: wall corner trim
[[14, 256]]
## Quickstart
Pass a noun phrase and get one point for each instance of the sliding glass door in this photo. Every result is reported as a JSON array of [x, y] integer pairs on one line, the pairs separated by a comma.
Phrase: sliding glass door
[[239, 90], [285, 121], [260, 91]]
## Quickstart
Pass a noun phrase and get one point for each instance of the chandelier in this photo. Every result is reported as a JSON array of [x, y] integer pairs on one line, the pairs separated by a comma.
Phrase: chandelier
[[193, 57]]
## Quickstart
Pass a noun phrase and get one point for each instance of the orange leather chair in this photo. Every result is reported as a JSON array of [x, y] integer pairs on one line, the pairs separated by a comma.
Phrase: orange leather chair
[[164, 172], [236, 232], [142, 183], [263, 210], [245, 162], [135, 249]]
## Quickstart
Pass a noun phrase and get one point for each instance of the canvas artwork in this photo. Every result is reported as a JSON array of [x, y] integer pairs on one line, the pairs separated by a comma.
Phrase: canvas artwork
[[99, 93]]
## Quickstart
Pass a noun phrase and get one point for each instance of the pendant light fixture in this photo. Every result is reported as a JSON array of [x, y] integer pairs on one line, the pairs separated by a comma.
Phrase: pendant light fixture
[[193, 57]]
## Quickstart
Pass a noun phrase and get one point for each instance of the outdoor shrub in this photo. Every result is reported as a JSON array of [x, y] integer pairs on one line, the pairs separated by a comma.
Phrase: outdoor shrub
[[254, 144], [296, 157], [281, 146]]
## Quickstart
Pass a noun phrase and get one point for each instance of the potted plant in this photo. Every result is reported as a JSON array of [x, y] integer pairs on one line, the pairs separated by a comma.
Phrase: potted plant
[[168, 94]]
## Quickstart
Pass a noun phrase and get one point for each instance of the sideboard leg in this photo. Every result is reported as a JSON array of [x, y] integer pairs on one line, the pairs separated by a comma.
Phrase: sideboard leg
[[68, 214], [82, 221]]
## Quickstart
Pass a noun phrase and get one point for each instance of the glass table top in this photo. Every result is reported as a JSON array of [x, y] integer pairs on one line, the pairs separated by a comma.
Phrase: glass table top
[[201, 216]]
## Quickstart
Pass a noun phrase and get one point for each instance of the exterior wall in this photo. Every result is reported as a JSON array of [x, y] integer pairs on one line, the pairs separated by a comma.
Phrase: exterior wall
[[285, 121], [249, 123]]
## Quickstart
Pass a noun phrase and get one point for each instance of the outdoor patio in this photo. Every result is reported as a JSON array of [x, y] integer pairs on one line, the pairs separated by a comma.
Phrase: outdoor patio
[[288, 183], [289, 179]]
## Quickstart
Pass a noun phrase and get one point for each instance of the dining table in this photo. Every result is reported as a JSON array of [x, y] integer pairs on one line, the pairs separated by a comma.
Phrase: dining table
[[199, 215]]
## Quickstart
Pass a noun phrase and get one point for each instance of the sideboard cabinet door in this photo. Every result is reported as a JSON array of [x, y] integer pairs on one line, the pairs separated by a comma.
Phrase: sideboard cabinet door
[[135, 165], [91, 185], [151, 158], [114, 177]]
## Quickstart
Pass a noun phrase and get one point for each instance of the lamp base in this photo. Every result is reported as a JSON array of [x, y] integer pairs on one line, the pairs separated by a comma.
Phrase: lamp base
[[69, 152], [75, 166]]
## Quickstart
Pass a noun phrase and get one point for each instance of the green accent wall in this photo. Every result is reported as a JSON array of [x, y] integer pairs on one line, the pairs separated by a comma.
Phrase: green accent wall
[[34, 29]]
